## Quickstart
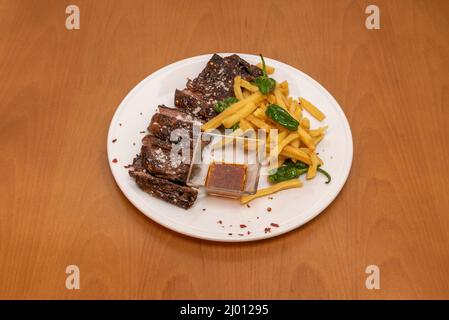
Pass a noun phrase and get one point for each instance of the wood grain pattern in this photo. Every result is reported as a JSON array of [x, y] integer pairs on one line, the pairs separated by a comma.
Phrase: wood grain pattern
[[60, 204]]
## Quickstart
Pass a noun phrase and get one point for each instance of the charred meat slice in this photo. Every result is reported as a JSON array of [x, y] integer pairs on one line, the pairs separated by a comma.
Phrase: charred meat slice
[[166, 190], [216, 81], [193, 104], [179, 115], [169, 128], [213, 84], [157, 159]]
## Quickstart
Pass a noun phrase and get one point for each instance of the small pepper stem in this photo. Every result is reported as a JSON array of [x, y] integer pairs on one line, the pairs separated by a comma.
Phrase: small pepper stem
[[264, 68]]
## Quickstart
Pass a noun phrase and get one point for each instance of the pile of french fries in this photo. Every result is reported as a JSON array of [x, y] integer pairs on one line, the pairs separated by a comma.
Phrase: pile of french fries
[[249, 112]]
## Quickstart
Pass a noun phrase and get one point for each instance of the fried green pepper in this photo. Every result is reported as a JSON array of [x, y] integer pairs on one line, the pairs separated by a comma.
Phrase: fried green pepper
[[281, 116], [290, 170], [220, 106], [265, 83]]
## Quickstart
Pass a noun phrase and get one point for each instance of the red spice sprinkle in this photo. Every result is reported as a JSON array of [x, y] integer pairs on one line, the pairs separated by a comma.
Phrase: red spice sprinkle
[[120, 124], [274, 225], [241, 234], [113, 141], [114, 160], [248, 206], [248, 233], [242, 226], [220, 222], [257, 217], [269, 209], [267, 230]]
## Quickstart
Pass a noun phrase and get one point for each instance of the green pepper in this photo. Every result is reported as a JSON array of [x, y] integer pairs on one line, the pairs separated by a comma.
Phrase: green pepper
[[281, 116], [291, 170], [324, 172], [220, 106], [235, 126], [287, 172], [264, 83]]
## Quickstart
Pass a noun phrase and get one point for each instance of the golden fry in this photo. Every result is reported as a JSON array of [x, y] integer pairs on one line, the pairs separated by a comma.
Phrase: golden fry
[[248, 86], [314, 111], [297, 154], [216, 121], [245, 125], [258, 123], [279, 98], [241, 114], [237, 89], [318, 139], [311, 172], [317, 132], [305, 138], [284, 142], [305, 124], [295, 183]]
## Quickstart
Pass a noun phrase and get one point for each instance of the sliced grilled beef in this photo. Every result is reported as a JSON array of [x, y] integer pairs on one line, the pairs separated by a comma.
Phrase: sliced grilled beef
[[162, 126], [213, 84], [171, 192], [179, 115], [193, 104], [157, 160]]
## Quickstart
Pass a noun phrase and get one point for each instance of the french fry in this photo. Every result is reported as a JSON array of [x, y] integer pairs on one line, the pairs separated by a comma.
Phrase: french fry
[[270, 70], [295, 143], [317, 132], [241, 114], [258, 123], [318, 139], [311, 172], [294, 183], [305, 124], [291, 108], [260, 112], [297, 154], [297, 104], [228, 138], [283, 85], [314, 111], [297, 113], [306, 139], [248, 86], [284, 142], [280, 136], [237, 89], [245, 125], [216, 121], [271, 98], [283, 88], [281, 160], [279, 98]]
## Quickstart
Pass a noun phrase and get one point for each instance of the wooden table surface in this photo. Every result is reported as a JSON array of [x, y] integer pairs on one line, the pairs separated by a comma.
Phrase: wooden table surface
[[60, 204]]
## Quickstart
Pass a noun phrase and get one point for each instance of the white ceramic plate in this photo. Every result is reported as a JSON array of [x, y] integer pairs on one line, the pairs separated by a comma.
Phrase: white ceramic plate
[[220, 219]]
